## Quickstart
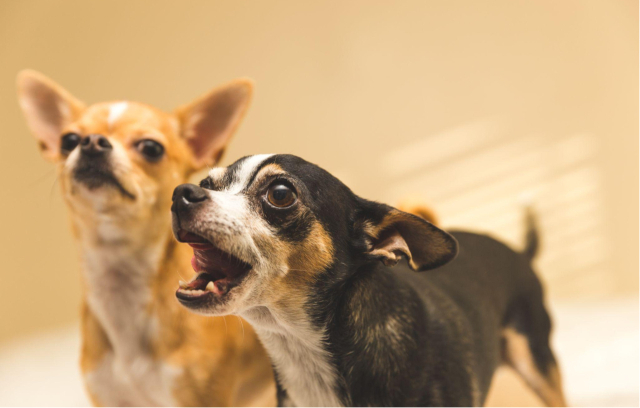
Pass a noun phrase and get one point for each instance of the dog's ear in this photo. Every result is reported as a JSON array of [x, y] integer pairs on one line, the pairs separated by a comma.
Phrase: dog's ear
[[209, 122], [48, 108], [392, 234]]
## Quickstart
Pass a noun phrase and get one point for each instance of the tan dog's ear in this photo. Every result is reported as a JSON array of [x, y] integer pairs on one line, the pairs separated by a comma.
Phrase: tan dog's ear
[[209, 122], [392, 233], [48, 108]]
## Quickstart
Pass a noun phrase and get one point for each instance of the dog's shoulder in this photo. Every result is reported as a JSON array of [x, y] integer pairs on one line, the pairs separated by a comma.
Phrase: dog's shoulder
[[376, 319], [391, 318]]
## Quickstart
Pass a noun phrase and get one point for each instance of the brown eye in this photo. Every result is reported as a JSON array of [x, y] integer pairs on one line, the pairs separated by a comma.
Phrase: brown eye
[[150, 149], [280, 195]]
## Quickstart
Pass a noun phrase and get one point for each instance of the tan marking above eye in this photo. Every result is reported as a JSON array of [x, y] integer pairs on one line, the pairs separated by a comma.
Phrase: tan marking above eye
[[281, 195]]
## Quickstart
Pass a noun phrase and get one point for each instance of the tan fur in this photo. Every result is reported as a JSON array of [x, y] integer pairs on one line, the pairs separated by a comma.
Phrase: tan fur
[[305, 261], [518, 356], [217, 361]]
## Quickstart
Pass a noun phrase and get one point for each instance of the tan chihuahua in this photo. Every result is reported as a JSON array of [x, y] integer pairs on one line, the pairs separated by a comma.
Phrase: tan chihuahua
[[118, 164]]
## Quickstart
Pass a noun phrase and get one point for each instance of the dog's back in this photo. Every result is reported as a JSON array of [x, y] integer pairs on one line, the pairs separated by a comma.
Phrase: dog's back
[[491, 301]]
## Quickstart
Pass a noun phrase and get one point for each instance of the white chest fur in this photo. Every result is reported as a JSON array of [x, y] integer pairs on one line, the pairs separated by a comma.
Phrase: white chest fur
[[300, 359], [118, 294], [137, 382]]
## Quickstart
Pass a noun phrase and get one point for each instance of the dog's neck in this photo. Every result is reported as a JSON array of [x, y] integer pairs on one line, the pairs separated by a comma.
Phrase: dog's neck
[[120, 272], [319, 353], [298, 351]]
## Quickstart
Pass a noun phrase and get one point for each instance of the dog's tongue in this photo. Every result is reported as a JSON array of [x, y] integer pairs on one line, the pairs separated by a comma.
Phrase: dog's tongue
[[194, 264]]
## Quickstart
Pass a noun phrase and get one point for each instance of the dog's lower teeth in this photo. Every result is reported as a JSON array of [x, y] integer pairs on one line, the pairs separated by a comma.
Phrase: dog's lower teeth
[[184, 286]]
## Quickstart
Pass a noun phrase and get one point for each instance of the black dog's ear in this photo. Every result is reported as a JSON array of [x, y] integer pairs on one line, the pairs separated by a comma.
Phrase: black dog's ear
[[392, 233]]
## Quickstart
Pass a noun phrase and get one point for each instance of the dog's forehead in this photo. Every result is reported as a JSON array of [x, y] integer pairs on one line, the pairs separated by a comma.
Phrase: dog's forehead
[[239, 175], [124, 118]]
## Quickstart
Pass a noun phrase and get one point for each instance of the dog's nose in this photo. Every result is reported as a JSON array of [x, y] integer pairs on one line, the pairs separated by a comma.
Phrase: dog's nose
[[186, 195], [95, 145]]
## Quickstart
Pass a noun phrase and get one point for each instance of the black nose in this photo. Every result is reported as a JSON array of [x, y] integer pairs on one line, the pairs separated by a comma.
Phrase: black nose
[[186, 195], [95, 145]]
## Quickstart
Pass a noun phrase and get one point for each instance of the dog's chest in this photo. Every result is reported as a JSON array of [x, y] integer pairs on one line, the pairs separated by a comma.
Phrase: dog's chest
[[135, 382], [119, 297], [303, 365]]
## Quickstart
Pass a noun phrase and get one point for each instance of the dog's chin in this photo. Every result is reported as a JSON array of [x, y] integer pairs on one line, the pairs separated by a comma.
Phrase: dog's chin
[[209, 305]]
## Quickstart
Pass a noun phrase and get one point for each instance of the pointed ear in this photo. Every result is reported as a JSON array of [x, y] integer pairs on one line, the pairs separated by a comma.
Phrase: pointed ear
[[209, 122], [392, 234], [48, 108]]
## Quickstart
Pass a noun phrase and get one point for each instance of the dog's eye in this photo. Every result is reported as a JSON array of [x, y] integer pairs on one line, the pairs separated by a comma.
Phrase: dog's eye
[[206, 183], [150, 149], [69, 142], [280, 195]]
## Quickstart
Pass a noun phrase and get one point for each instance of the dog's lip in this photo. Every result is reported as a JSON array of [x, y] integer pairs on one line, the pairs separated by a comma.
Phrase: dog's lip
[[193, 240], [94, 177], [193, 301]]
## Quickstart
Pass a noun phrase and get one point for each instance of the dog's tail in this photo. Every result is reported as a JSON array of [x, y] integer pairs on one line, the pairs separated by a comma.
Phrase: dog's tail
[[420, 209], [532, 238]]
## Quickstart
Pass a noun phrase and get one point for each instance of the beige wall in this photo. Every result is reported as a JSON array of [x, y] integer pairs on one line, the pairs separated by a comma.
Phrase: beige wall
[[469, 105]]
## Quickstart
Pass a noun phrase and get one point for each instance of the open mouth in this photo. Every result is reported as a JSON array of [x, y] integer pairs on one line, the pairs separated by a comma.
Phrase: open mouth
[[218, 271]]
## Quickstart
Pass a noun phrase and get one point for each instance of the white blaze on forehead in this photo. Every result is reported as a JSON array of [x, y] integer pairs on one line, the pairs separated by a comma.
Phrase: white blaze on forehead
[[217, 173], [243, 174], [115, 111]]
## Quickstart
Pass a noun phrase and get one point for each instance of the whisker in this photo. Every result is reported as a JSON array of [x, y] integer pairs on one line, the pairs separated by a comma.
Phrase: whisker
[[51, 190], [241, 324], [39, 179]]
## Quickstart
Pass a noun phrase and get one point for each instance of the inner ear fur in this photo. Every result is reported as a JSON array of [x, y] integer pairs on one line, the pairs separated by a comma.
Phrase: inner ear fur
[[48, 109], [208, 123], [400, 234]]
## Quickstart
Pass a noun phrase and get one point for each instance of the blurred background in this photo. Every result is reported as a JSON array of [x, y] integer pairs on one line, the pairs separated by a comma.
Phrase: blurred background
[[472, 107]]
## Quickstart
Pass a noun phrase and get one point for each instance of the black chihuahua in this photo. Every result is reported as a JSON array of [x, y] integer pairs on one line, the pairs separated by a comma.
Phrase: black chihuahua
[[287, 246]]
